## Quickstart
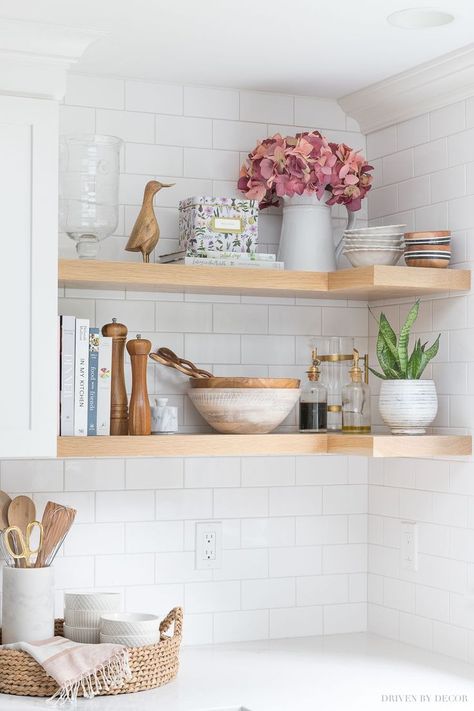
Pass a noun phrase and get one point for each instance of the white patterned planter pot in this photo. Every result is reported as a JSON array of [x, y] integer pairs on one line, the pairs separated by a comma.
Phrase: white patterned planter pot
[[408, 406]]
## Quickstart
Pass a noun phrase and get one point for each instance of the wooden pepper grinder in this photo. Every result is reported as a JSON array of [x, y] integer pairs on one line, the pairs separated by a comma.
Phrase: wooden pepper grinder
[[119, 402], [139, 419]]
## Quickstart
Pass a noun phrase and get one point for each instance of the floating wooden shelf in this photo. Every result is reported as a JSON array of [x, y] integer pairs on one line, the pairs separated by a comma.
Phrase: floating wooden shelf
[[361, 283], [207, 445]]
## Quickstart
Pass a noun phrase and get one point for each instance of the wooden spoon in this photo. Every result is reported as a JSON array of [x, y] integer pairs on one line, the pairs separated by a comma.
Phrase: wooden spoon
[[21, 512], [57, 520], [5, 502]]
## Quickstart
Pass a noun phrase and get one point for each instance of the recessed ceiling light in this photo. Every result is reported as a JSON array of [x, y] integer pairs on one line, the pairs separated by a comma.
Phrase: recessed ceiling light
[[419, 18]]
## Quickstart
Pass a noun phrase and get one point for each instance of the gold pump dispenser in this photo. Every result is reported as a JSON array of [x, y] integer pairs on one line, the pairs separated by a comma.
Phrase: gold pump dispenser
[[356, 400], [314, 399]]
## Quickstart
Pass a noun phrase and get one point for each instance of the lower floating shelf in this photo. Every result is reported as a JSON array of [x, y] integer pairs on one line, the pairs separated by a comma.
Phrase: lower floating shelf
[[220, 445]]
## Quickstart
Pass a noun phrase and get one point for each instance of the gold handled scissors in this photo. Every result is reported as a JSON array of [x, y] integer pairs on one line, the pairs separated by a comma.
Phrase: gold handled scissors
[[19, 545]]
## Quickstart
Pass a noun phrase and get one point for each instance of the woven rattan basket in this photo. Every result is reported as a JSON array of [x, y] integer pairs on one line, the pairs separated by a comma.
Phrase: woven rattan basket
[[151, 666]]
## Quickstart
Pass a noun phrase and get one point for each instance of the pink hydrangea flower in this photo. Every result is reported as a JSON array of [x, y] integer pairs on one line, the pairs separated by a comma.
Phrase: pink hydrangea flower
[[305, 164]]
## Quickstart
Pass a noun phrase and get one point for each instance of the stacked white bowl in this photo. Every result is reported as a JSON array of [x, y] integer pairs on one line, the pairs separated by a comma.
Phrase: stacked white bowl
[[366, 246], [82, 613], [133, 629]]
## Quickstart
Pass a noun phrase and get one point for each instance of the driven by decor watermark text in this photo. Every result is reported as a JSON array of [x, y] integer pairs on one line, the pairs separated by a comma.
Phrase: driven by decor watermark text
[[424, 698]]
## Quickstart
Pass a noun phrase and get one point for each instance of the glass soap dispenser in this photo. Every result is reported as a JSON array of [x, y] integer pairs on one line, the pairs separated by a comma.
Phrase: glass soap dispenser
[[356, 401], [313, 400]]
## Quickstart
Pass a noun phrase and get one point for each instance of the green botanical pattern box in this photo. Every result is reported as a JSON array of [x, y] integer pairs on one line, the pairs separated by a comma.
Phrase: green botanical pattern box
[[218, 223]]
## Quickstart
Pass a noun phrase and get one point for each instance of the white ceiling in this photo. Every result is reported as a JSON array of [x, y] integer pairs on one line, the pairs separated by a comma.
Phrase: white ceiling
[[326, 48]]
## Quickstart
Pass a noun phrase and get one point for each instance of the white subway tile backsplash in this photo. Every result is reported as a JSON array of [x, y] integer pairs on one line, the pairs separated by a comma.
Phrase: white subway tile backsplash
[[319, 113], [294, 561], [381, 143], [152, 473], [187, 503], [295, 500], [211, 472], [76, 119], [240, 503], [322, 589], [295, 320], [208, 102], [296, 622], [449, 640], [183, 131], [205, 163], [128, 125], [143, 158], [269, 350], [268, 471], [112, 570], [37, 475], [125, 506], [432, 603], [448, 184], [398, 167], [243, 564], [240, 318], [212, 596], [270, 593], [268, 532], [93, 474], [154, 536], [266, 107], [95, 539], [416, 630], [236, 135], [212, 348], [350, 558], [153, 98], [185, 317], [450, 119], [399, 594], [430, 157], [95, 91], [315, 530], [413, 132], [82, 501], [241, 625], [344, 499]]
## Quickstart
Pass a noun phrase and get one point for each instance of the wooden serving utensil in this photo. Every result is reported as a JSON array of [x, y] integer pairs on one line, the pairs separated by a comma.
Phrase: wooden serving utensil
[[57, 521], [165, 356], [21, 512], [5, 502]]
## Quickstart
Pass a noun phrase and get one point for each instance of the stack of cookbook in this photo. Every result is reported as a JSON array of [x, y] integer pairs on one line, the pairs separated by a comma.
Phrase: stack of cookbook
[[85, 361], [217, 258]]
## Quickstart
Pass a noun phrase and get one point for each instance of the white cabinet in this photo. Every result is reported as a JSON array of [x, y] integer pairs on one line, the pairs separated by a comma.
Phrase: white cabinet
[[34, 60], [28, 276]]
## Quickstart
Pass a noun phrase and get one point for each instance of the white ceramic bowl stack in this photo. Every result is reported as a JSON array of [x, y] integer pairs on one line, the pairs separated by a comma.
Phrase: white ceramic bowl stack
[[367, 246], [132, 629], [82, 613]]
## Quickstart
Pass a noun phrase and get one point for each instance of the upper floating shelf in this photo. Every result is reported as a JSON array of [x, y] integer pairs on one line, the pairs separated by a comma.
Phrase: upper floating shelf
[[360, 283]]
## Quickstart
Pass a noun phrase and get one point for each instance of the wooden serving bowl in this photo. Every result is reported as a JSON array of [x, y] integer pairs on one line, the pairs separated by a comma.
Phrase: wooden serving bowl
[[222, 382]]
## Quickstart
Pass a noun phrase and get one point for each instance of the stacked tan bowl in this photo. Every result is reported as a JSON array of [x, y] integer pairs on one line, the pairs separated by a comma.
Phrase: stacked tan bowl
[[82, 613], [428, 249]]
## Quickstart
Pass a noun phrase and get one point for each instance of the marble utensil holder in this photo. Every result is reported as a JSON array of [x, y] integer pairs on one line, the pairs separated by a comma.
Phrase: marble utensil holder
[[27, 604]]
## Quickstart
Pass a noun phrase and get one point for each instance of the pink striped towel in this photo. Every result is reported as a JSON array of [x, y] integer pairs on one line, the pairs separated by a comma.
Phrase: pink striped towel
[[90, 667]]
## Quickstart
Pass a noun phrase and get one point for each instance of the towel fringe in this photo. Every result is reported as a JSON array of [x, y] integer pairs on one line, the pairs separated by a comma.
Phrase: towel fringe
[[111, 675]]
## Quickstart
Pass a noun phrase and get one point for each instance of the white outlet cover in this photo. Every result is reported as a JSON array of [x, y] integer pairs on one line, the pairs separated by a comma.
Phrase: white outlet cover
[[208, 545]]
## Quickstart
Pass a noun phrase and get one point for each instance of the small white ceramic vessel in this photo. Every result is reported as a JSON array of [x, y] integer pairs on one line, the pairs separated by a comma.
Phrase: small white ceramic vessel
[[28, 604], [84, 635], [408, 406], [369, 257], [129, 623], [82, 618], [106, 602], [140, 640]]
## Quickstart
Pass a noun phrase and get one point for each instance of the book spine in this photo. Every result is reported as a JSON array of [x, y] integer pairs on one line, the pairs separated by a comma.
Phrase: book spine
[[92, 389], [68, 348], [234, 256], [81, 377], [104, 383], [198, 261]]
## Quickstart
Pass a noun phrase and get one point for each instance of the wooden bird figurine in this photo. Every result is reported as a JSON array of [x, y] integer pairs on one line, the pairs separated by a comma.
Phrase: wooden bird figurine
[[146, 232]]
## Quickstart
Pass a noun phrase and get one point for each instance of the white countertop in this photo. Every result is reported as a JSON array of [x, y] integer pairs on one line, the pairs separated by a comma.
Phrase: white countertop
[[339, 673]]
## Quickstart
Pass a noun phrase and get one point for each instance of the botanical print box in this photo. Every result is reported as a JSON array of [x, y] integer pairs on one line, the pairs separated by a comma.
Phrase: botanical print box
[[218, 223]]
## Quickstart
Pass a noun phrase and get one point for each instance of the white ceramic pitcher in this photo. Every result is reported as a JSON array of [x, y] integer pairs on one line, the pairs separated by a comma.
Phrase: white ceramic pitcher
[[306, 241]]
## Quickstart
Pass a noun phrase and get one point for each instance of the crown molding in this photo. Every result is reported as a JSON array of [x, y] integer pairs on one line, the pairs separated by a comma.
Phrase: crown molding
[[426, 87], [35, 57]]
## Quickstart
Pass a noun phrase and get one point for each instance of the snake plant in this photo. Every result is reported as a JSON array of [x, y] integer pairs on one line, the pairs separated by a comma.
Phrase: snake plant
[[392, 352]]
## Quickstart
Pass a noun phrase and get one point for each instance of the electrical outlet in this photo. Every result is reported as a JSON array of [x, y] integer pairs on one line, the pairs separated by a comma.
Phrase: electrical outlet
[[208, 545], [409, 545]]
